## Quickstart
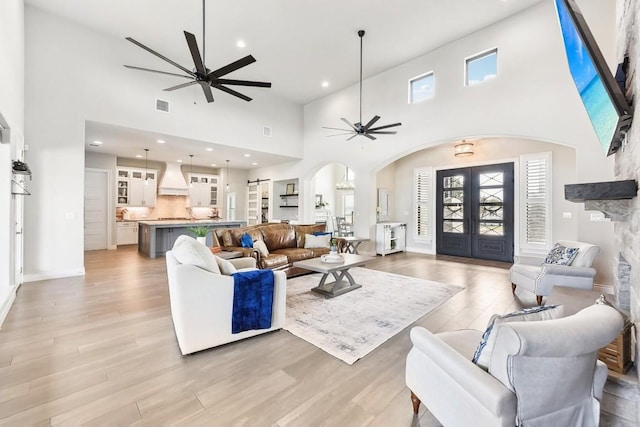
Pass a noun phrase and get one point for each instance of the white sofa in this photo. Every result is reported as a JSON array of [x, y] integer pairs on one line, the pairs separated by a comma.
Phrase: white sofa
[[202, 304], [541, 373]]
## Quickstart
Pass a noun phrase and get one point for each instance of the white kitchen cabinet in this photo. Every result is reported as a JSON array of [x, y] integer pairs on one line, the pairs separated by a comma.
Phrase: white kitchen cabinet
[[136, 187], [204, 190], [127, 233], [390, 237]]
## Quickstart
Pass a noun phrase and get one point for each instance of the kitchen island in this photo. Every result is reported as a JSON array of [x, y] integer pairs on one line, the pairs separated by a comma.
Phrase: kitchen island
[[155, 238]]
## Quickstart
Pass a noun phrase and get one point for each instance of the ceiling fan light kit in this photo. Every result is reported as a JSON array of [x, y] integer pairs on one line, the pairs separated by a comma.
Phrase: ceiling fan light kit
[[201, 75], [358, 128]]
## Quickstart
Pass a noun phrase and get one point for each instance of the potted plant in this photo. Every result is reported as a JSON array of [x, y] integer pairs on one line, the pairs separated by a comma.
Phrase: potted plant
[[200, 232], [333, 246]]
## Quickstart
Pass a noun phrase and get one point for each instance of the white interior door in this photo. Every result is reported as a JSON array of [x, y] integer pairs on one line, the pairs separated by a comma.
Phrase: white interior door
[[96, 185], [253, 204]]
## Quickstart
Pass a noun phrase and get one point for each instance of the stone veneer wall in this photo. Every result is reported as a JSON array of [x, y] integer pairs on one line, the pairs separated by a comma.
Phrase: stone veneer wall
[[627, 164]]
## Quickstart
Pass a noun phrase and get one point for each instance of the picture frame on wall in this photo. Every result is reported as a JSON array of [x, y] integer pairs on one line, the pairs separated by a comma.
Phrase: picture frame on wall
[[291, 188]]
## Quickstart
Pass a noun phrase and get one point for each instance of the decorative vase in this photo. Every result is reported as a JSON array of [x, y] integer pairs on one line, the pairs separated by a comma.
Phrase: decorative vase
[[202, 240], [333, 250]]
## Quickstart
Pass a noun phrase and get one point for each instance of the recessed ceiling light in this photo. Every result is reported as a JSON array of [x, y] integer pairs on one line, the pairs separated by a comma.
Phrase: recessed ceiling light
[[325, 84], [138, 156], [241, 43], [209, 149], [160, 141], [255, 163], [97, 142], [179, 161], [213, 164], [247, 155]]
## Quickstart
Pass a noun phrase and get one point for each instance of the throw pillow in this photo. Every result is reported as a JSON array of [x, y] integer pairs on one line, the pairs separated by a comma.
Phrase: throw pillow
[[246, 241], [561, 255], [323, 233], [261, 247], [225, 266], [188, 250], [311, 241], [482, 356]]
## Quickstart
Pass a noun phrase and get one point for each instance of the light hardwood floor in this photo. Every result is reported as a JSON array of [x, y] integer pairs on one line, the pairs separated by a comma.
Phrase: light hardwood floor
[[101, 350]]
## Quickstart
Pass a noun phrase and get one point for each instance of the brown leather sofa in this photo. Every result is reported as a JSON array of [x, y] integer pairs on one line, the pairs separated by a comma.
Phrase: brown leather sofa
[[285, 243]]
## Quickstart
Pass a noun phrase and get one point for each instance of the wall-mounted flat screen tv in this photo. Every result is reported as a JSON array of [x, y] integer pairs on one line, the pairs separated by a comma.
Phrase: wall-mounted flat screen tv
[[606, 106]]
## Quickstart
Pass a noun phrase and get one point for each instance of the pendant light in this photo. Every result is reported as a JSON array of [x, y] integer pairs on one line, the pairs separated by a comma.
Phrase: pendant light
[[146, 158], [191, 172], [228, 186]]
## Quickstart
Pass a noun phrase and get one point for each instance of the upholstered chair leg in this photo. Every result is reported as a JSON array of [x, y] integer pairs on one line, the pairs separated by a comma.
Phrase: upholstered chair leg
[[539, 299], [416, 402], [513, 288]]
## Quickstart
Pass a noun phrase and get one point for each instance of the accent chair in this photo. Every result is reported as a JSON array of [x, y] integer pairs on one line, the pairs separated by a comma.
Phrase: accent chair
[[541, 373], [535, 276]]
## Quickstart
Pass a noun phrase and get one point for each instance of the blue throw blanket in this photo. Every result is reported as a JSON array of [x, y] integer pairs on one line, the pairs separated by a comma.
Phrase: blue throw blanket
[[252, 300]]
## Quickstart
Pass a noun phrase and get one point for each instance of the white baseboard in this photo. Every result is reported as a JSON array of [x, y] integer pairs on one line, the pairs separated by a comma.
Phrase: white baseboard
[[420, 250], [52, 275], [6, 301]]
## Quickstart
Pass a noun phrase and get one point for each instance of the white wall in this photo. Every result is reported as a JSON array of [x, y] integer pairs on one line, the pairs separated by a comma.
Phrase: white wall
[[12, 110], [532, 98], [85, 80]]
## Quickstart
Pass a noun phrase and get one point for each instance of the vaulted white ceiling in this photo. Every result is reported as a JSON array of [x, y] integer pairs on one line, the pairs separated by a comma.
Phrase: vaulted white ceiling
[[298, 44]]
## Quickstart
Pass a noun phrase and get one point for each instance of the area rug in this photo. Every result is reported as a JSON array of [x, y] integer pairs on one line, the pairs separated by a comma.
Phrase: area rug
[[352, 325]]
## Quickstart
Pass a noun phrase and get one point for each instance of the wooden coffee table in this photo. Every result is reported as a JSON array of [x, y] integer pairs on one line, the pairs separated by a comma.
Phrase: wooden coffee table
[[339, 271]]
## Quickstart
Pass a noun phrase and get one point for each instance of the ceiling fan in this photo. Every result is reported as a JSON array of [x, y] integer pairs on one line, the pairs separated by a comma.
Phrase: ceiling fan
[[358, 128], [202, 75]]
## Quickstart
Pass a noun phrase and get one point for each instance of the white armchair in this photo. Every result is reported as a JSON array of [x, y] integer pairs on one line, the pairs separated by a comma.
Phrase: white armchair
[[541, 373], [534, 276], [202, 304]]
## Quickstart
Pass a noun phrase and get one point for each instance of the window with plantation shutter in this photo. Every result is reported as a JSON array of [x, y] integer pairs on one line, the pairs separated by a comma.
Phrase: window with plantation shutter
[[535, 172], [423, 200]]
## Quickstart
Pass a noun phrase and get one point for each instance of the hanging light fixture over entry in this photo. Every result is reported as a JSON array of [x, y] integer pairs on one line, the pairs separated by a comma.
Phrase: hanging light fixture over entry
[[463, 149], [228, 187]]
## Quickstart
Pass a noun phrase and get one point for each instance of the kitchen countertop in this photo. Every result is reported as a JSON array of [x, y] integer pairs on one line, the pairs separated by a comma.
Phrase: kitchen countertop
[[188, 222]]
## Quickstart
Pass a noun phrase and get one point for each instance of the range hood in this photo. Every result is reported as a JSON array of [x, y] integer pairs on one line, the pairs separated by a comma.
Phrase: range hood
[[173, 183]]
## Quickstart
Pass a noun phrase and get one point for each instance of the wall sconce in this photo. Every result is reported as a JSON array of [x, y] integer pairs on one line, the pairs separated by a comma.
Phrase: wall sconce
[[463, 149]]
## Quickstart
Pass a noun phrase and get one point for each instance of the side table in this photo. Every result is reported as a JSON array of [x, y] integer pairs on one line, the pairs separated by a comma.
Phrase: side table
[[352, 243]]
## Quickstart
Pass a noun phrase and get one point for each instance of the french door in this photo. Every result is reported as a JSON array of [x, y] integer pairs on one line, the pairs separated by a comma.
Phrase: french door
[[474, 212]]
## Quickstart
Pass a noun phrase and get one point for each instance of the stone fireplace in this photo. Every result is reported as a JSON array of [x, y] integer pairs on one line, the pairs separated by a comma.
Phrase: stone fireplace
[[627, 167]]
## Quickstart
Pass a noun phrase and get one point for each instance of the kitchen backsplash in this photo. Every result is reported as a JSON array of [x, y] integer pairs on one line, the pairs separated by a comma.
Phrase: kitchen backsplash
[[166, 207]]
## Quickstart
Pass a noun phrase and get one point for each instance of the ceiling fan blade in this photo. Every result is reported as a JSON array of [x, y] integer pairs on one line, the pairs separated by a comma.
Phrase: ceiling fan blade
[[242, 83], [371, 137], [157, 71], [148, 49], [180, 86], [232, 92], [207, 91], [195, 53], [351, 137], [233, 66], [350, 125], [346, 130], [340, 134], [385, 127], [371, 122], [383, 132]]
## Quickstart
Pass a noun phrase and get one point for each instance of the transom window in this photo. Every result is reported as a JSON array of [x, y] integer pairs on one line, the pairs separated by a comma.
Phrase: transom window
[[421, 88], [481, 67]]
